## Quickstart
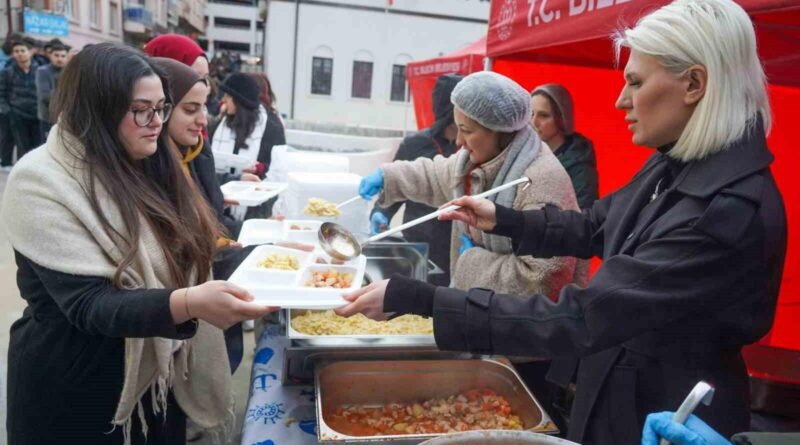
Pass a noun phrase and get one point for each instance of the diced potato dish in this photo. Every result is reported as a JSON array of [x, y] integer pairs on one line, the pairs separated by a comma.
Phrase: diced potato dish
[[278, 261], [330, 278]]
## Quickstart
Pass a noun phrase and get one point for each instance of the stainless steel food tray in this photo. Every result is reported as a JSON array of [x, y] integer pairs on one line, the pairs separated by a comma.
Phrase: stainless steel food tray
[[380, 382], [299, 362]]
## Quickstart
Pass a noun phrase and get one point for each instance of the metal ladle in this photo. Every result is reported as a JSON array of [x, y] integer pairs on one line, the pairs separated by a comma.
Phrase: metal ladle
[[341, 244]]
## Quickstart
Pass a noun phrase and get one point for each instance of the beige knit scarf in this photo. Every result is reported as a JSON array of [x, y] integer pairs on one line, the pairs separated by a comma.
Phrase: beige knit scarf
[[48, 217]]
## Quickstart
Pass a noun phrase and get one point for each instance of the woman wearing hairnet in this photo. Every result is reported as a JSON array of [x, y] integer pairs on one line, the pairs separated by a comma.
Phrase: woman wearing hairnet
[[438, 140], [693, 246], [492, 114]]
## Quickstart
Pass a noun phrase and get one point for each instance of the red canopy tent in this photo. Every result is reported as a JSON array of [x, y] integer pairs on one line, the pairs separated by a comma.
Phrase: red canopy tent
[[422, 76], [567, 41]]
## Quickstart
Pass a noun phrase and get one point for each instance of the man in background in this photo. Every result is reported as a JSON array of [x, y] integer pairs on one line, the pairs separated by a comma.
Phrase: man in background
[[46, 82], [18, 97]]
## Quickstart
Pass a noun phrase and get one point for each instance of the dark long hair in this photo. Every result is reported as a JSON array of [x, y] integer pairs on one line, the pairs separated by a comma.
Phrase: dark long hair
[[267, 96], [93, 97], [242, 123]]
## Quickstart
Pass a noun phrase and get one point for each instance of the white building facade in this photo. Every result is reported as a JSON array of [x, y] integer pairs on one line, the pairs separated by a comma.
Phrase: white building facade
[[344, 61], [235, 26]]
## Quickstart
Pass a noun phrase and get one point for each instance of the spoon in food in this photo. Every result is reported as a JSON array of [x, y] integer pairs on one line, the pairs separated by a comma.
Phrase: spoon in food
[[341, 244]]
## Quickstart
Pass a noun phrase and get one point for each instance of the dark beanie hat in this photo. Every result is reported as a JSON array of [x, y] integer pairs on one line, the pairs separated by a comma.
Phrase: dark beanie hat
[[442, 106], [243, 88], [180, 77], [176, 47]]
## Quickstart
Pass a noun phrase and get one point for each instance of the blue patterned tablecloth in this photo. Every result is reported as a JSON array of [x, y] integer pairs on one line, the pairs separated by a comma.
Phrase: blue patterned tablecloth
[[277, 414]]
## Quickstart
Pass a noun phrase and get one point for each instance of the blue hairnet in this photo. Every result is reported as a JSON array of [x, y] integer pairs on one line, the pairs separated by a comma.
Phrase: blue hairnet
[[494, 101]]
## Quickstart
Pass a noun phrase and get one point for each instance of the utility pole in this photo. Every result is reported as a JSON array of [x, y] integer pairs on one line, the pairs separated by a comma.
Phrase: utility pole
[[294, 56], [8, 16]]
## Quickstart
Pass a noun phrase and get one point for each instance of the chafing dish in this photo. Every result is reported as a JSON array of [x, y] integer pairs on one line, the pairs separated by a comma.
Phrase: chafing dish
[[379, 382]]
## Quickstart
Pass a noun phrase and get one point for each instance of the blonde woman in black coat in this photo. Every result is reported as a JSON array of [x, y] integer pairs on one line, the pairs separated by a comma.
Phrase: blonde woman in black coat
[[693, 246]]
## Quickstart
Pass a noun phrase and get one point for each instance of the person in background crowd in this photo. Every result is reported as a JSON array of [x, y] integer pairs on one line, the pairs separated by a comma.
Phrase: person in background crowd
[[492, 114], [36, 48], [245, 129], [693, 247], [274, 134], [121, 339], [438, 140], [18, 98], [180, 48], [659, 426], [46, 82], [553, 120], [6, 136]]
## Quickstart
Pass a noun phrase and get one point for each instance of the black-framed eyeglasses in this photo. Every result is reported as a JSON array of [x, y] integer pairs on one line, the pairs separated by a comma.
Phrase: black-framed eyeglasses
[[143, 116]]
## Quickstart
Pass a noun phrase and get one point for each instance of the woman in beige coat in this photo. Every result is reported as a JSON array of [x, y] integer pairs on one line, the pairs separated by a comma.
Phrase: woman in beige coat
[[492, 113]]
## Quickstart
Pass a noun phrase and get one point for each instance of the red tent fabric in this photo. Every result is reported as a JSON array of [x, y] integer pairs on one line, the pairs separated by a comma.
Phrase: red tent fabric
[[577, 31], [422, 76], [567, 41]]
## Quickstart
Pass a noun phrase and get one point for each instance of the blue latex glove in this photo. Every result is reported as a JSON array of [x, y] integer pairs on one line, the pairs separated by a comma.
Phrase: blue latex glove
[[371, 185], [378, 223], [466, 244], [693, 432]]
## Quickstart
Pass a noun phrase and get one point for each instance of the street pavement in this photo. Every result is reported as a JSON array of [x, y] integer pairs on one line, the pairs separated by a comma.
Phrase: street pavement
[[11, 307]]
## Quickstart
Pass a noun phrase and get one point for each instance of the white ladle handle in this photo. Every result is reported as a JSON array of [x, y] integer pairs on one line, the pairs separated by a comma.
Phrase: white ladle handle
[[353, 199], [435, 214], [702, 392]]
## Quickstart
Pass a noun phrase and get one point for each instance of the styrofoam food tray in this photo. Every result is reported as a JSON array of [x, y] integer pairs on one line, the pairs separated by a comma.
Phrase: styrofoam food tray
[[286, 288], [250, 194], [260, 231], [224, 161]]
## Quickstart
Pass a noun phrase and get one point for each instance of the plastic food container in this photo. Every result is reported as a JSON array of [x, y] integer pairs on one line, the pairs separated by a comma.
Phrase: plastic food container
[[261, 231], [250, 194], [287, 288]]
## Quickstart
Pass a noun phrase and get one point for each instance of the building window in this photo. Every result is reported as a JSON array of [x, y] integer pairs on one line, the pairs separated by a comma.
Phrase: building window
[[399, 84], [113, 17], [362, 79], [239, 47], [232, 23], [96, 14], [71, 10], [321, 75]]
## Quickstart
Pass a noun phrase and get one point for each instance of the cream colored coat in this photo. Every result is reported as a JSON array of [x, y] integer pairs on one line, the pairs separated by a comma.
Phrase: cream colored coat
[[434, 182]]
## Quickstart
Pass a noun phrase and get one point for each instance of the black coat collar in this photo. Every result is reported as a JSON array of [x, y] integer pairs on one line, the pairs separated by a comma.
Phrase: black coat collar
[[744, 157]]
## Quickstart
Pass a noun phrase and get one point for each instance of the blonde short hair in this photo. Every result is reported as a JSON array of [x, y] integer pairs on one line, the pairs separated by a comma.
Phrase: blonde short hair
[[718, 35]]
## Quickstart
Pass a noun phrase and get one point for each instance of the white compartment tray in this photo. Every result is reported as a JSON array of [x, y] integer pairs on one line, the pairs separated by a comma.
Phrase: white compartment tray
[[251, 194], [286, 288], [260, 231]]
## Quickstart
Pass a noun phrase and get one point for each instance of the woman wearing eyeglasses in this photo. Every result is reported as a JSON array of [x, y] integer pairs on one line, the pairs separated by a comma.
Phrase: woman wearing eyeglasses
[[121, 339]]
